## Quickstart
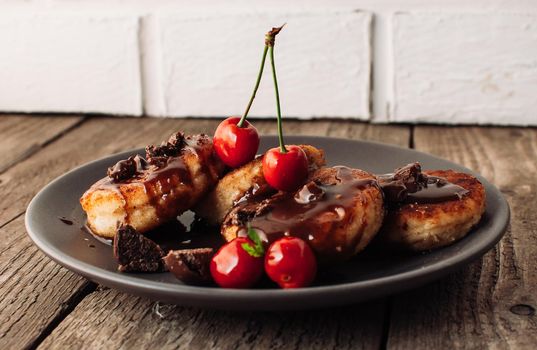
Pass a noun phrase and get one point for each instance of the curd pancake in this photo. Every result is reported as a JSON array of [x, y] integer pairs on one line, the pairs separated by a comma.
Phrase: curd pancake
[[244, 183], [147, 193], [436, 214], [338, 211]]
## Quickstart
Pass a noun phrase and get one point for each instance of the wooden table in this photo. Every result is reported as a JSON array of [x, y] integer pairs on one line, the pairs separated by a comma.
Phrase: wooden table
[[488, 304]]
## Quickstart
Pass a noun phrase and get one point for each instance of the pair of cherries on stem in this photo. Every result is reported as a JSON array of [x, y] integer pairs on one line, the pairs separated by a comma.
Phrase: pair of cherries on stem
[[236, 141]]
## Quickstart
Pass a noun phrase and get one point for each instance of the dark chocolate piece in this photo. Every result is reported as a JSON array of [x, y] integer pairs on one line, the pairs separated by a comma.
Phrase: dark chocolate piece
[[127, 169], [190, 265], [397, 185], [409, 185], [135, 252]]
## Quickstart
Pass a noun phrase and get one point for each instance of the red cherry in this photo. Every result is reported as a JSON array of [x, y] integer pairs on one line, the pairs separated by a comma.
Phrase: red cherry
[[236, 145], [285, 171], [233, 267], [290, 262]]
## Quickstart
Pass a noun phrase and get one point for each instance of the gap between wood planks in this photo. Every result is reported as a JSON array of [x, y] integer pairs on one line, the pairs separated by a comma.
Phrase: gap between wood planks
[[69, 306], [32, 149], [27, 153]]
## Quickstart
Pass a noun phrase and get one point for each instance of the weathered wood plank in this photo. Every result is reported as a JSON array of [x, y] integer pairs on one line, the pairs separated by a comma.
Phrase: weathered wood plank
[[111, 319], [20, 136], [34, 290], [490, 303], [108, 319], [393, 134]]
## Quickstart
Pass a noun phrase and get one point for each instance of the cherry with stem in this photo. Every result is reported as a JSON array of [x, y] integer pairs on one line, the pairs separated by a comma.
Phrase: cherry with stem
[[284, 168], [236, 141], [269, 42]]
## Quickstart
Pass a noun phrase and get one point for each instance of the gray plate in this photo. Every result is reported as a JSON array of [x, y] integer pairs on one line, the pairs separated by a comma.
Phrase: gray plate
[[372, 275]]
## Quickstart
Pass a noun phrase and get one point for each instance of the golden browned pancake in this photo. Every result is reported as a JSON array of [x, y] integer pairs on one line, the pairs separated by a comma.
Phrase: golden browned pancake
[[246, 181], [425, 226], [178, 175], [338, 211]]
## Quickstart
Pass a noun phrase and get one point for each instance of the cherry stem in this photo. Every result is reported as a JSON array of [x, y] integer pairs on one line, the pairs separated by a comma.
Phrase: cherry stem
[[280, 129], [259, 75]]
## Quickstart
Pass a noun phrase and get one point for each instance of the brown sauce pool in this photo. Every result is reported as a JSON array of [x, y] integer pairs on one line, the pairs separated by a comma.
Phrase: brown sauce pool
[[186, 232], [437, 190]]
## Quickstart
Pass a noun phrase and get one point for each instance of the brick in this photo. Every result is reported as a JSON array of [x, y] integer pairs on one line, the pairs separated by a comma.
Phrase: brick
[[465, 68], [210, 62], [69, 62]]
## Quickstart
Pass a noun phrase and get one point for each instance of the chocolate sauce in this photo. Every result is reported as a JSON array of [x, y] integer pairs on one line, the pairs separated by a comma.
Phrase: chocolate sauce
[[255, 192], [164, 172], [437, 190], [409, 185], [107, 241], [187, 232], [313, 212], [65, 221], [126, 169]]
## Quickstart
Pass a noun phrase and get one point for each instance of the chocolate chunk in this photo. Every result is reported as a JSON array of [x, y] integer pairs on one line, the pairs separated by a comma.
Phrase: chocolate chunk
[[159, 155], [405, 180], [178, 139], [136, 253], [127, 169], [190, 265], [243, 215], [411, 176]]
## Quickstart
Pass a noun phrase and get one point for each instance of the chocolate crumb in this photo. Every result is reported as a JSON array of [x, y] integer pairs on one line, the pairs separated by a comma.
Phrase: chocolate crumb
[[135, 252], [159, 155], [190, 265]]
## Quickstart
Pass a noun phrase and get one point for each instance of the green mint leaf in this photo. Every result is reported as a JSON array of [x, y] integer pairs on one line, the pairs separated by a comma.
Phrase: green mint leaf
[[252, 251], [254, 236]]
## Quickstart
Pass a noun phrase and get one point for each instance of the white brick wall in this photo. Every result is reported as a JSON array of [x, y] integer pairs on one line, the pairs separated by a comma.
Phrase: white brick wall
[[383, 60], [455, 68], [69, 63], [210, 63]]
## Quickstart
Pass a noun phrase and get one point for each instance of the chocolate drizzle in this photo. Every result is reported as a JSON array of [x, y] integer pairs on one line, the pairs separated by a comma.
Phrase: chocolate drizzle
[[255, 192], [436, 190], [66, 221], [409, 185], [165, 175], [311, 213]]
